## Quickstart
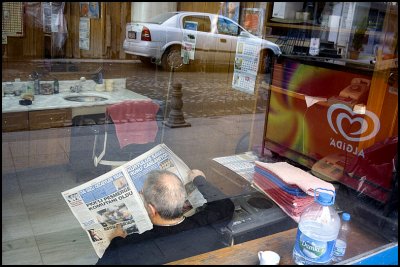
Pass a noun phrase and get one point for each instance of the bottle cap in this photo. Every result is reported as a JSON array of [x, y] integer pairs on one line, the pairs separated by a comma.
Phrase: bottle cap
[[346, 216], [325, 199]]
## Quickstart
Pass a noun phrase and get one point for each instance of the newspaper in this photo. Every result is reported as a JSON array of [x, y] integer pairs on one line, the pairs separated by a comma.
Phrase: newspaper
[[243, 164], [113, 198]]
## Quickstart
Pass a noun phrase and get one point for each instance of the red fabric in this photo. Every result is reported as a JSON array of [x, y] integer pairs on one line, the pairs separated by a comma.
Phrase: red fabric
[[293, 206], [135, 121], [289, 199]]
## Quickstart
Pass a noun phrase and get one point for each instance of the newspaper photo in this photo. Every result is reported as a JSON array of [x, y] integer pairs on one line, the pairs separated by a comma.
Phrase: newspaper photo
[[114, 198]]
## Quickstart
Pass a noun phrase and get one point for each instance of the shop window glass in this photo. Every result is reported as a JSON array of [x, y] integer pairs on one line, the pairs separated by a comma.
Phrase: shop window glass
[[315, 107]]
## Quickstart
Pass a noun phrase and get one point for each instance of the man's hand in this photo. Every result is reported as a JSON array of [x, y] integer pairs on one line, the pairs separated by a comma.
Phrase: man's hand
[[118, 231], [193, 173]]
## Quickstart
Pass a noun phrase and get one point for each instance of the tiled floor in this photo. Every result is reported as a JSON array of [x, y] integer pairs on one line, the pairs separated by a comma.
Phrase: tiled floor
[[37, 225]]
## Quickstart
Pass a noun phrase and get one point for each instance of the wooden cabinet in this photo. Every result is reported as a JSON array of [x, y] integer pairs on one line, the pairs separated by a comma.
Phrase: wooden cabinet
[[48, 144], [35, 120], [50, 118], [15, 121]]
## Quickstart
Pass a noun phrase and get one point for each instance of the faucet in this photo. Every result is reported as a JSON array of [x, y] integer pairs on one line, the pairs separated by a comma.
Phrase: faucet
[[76, 89], [79, 86]]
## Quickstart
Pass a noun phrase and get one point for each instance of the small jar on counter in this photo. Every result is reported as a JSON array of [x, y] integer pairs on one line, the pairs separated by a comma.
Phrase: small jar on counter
[[56, 86], [109, 85]]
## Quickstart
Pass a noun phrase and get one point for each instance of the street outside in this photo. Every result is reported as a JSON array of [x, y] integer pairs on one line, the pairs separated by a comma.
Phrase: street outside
[[205, 93], [224, 121]]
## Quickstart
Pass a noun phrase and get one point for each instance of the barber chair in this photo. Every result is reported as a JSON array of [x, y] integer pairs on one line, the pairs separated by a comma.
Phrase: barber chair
[[131, 128]]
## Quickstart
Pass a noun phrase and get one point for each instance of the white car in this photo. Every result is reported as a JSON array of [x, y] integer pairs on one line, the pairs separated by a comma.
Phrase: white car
[[159, 40]]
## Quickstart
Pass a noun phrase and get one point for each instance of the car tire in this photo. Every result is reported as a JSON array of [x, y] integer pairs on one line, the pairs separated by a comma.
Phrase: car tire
[[172, 57]]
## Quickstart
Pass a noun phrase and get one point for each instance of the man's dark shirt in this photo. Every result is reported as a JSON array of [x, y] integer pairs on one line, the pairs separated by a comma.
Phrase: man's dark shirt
[[197, 234]]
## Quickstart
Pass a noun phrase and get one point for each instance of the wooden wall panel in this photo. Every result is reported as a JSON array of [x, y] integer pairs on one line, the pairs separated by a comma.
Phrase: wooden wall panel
[[207, 7], [114, 10], [107, 32], [95, 38], [185, 6], [68, 44], [125, 10], [32, 44], [199, 6], [74, 30], [212, 7]]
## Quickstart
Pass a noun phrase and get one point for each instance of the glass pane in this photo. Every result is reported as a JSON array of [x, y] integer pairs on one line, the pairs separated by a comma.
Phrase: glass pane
[[228, 87]]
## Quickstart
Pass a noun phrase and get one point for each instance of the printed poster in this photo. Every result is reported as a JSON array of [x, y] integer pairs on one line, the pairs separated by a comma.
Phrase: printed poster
[[246, 64], [252, 20], [189, 41], [84, 9], [90, 10], [94, 10], [84, 33], [230, 10], [46, 9], [314, 47]]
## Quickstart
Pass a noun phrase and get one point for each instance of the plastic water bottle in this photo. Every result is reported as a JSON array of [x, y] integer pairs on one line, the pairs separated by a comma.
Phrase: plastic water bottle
[[341, 242], [317, 231]]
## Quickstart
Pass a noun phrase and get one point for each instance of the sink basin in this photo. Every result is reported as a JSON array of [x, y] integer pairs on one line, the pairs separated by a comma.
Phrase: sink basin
[[85, 98]]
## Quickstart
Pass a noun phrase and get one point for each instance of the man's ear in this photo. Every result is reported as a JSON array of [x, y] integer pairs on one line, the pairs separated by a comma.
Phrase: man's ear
[[151, 210]]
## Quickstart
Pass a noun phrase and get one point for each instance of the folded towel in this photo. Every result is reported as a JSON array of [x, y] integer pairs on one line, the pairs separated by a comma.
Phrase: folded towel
[[291, 189], [135, 121], [283, 197], [293, 206], [294, 176]]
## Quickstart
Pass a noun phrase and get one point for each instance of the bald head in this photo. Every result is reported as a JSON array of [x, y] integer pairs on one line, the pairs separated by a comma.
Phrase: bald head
[[165, 192]]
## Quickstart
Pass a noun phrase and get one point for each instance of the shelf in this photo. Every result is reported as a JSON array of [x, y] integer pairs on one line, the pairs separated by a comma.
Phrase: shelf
[[287, 92], [294, 26], [291, 21]]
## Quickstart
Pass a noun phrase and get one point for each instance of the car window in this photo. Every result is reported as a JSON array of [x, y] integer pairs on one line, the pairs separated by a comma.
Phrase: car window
[[227, 27], [159, 19], [203, 22]]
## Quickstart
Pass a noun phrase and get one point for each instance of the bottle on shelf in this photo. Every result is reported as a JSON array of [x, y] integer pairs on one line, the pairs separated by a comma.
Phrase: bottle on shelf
[[56, 86], [36, 85], [30, 85], [317, 231], [341, 241]]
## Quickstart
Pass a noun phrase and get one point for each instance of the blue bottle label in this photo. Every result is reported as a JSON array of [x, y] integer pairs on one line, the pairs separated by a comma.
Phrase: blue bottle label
[[313, 250]]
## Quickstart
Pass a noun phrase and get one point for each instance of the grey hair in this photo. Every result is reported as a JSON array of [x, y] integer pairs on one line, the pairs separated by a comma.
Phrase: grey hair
[[165, 192]]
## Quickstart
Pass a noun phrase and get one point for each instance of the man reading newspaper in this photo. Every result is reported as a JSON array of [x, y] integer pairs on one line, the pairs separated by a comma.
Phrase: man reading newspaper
[[173, 235], [118, 204]]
